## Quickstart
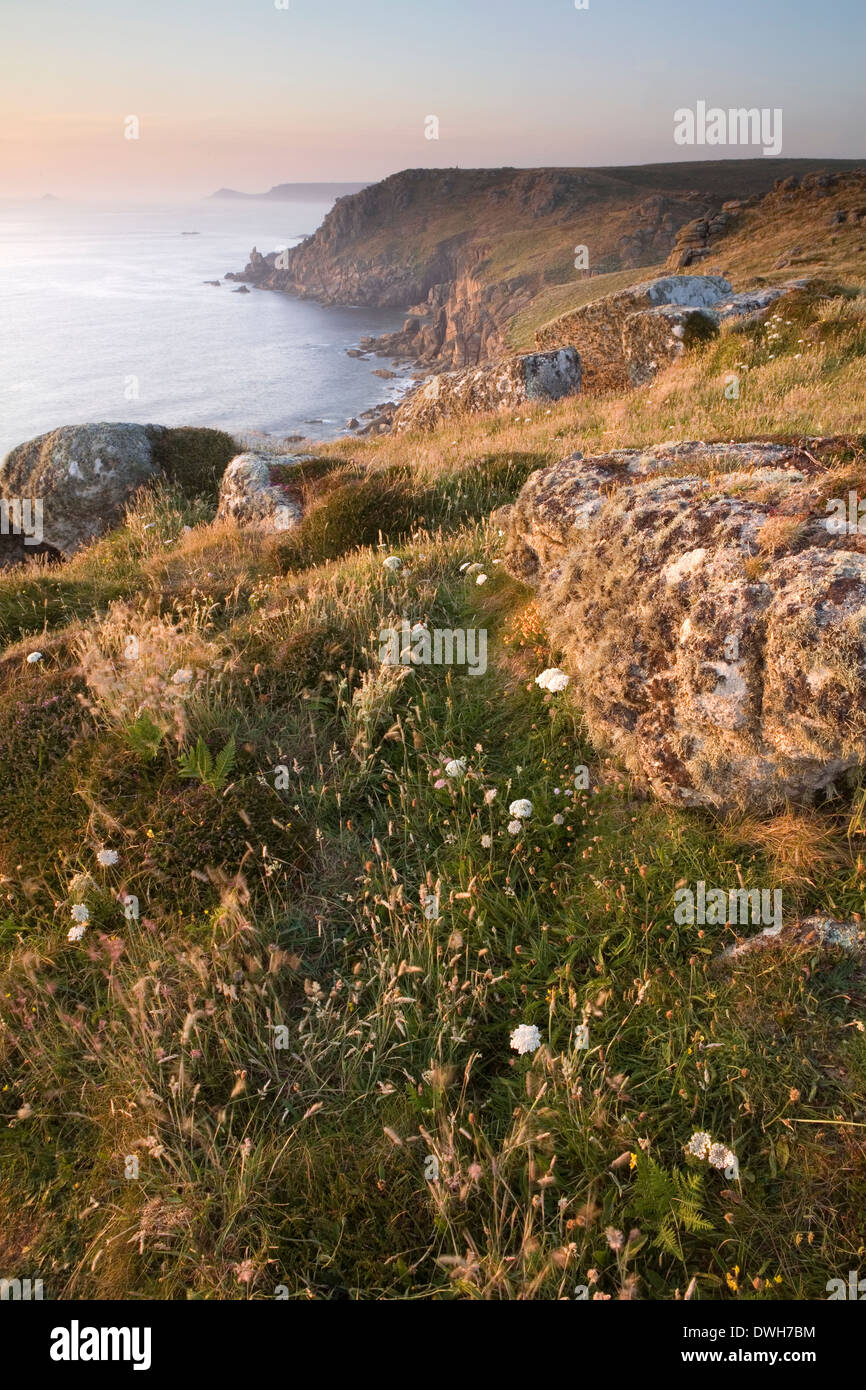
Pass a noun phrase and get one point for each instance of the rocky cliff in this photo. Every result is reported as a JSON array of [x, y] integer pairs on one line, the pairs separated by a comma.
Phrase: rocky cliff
[[470, 248]]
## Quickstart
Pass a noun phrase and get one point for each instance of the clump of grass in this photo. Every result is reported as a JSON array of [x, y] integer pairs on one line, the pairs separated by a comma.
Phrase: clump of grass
[[194, 458]]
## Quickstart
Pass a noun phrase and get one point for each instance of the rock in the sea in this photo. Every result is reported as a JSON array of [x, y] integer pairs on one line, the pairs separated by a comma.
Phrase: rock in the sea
[[713, 627], [596, 329], [255, 491], [500, 385], [85, 476]]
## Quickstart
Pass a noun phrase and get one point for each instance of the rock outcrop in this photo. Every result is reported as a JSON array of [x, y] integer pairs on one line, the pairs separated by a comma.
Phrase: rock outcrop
[[713, 626], [751, 304], [697, 239], [256, 491], [84, 475], [501, 385], [597, 329], [653, 338]]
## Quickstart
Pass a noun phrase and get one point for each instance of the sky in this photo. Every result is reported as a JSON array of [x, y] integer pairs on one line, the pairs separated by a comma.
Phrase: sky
[[249, 93]]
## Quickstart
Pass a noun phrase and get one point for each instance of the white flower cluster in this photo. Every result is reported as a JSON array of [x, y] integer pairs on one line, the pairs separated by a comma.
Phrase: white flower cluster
[[526, 1038], [552, 679], [701, 1145]]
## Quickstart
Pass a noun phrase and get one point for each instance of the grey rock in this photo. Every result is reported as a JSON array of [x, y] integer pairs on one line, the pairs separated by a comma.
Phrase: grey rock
[[85, 476], [751, 302], [653, 338], [251, 495], [714, 629], [507, 383]]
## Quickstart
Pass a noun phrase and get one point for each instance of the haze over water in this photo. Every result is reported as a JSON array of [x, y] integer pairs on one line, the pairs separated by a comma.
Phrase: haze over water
[[94, 296]]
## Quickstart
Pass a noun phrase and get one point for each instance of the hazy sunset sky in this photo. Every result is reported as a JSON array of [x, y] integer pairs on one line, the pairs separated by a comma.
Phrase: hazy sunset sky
[[242, 94]]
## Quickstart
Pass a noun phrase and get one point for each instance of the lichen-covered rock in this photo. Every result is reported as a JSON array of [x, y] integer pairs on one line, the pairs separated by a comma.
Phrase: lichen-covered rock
[[596, 329], [504, 384], [714, 628], [653, 338], [752, 303], [84, 474], [810, 931], [256, 491]]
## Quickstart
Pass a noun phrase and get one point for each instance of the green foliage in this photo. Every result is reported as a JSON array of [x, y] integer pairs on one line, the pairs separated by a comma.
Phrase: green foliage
[[387, 505], [358, 512], [194, 458], [199, 762], [669, 1203], [144, 737]]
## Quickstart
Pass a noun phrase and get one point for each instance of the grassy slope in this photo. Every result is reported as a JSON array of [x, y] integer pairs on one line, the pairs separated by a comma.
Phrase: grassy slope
[[301, 906], [777, 228]]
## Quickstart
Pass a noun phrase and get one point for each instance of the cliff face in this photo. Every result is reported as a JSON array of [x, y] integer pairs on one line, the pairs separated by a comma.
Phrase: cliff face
[[470, 248], [467, 249]]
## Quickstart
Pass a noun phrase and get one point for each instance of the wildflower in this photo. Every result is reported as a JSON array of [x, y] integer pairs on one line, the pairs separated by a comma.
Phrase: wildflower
[[245, 1271], [80, 913], [392, 562], [615, 1239], [455, 767], [559, 820], [481, 579], [182, 677], [721, 1157], [490, 795], [75, 933], [439, 784], [699, 1144], [486, 841], [521, 809], [107, 857], [33, 657], [552, 679], [525, 1038], [515, 827]]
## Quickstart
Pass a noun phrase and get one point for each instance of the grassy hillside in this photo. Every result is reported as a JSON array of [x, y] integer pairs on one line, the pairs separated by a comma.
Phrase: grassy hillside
[[783, 236], [293, 1066]]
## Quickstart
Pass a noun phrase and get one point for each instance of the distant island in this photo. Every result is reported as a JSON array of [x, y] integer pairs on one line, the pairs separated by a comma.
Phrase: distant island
[[296, 192]]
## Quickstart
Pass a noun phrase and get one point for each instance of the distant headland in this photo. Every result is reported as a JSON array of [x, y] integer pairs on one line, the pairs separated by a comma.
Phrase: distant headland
[[296, 192]]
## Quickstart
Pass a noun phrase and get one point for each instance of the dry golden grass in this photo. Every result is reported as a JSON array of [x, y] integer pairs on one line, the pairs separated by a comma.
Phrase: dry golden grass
[[798, 844]]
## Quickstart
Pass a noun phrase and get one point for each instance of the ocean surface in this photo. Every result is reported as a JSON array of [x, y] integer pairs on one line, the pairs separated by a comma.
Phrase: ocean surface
[[104, 316]]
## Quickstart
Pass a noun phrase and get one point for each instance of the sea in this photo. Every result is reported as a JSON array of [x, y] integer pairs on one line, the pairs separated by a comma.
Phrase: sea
[[105, 316]]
